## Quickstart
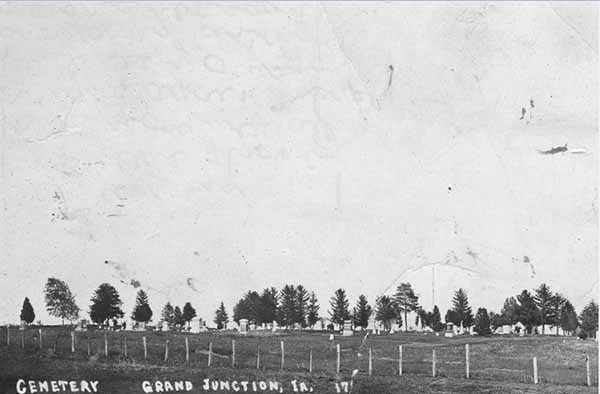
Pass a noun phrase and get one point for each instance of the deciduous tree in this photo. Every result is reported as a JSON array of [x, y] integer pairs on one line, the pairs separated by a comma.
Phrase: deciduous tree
[[60, 302]]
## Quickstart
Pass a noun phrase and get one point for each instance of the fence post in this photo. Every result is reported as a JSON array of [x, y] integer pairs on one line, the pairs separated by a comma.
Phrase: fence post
[[535, 371], [166, 350], [433, 363], [8, 334], [23, 339], [467, 367], [40, 332], [209, 353], [72, 341], [125, 344], [145, 348], [587, 370], [88, 346], [337, 369], [187, 350], [400, 360], [282, 355], [310, 361], [258, 356], [370, 362], [105, 345], [233, 353]]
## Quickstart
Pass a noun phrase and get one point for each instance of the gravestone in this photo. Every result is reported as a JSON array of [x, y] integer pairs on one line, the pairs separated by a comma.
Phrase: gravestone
[[347, 330], [202, 325], [81, 325], [243, 326], [164, 326], [252, 327], [274, 327]]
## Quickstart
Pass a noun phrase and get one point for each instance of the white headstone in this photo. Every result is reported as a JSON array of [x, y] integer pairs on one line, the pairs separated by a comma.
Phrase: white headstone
[[243, 326]]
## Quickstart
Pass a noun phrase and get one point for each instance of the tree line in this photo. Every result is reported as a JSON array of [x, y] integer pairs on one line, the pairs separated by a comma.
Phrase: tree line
[[296, 306]]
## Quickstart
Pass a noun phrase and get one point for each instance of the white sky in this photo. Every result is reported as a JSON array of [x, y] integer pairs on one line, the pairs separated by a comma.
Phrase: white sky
[[245, 146]]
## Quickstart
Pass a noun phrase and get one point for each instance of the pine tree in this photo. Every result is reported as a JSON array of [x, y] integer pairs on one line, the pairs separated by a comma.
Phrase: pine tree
[[589, 319], [482, 322], [178, 317], [462, 310], [362, 312], [268, 306], [313, 310], [287, 308], [527, 311], [248, 307], [27, 313], [406, 301], [188, 313], [142, 312], [106, 304], [509, 311], [302, 298], [555, 310], [168, 315], [339, 305], [386, 311], [221, 318], [543, 300], [60, 302], [568, 318], [436, 320]]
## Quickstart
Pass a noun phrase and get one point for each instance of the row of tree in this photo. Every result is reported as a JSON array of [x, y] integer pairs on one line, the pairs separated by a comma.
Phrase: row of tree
[[295, 305]]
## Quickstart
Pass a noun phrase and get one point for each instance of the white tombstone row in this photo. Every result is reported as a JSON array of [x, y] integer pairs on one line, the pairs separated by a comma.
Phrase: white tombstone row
[[243, 329]]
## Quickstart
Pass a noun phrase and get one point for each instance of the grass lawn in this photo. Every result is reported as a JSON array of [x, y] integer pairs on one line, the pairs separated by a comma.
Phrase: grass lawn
[[497, 364]]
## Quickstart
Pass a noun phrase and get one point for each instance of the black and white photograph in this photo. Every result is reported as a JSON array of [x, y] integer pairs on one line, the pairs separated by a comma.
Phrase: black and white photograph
[[320, 197]]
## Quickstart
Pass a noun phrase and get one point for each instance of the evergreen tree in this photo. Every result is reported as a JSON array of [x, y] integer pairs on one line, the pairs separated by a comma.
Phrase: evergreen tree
[[386, 311], [302, 298], [362, 312], [482, 322], [589, 319], [339, 307], [287, 307], [188, 313], [406, 301], [543, 300], [221, 318], [313, 310], [178, 318], [27, 313], [495, 320], [142, 312], [106, 304], [436, 320], [555, 310], [424, 318], [60, 302], [527, 311], [168, 315], [462, 310], [451, 317], [268, 306], [509, 311], [568, 318], [248, 307]]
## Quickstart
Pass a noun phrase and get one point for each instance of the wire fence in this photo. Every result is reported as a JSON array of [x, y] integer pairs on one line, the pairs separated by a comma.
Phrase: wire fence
[[569, 362]]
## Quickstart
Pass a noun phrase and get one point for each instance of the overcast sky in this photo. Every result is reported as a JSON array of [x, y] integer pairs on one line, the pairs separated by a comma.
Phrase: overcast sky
[[204, 150]]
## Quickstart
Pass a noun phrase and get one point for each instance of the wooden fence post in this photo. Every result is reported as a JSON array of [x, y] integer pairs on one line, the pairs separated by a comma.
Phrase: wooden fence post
[[467, 367], [88, 346], [310, 367], [233, 353], [7, 335], [187, 350], [145, 347], [282, 355], [125, 345], [258, 356], [166, 350], [40, 332], [400, 360], [72, 341], [209, 353], [587, 370], [370, 362], [433, 363], [535, 371], [105, 345], [23, 339], [337, 369]]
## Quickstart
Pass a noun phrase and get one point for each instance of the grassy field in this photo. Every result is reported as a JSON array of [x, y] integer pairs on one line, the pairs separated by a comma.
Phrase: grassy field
[[497, 364]]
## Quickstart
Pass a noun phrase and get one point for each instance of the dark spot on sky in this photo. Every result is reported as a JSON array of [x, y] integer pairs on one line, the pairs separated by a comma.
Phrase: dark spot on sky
[[449, 188], [135, 283]]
